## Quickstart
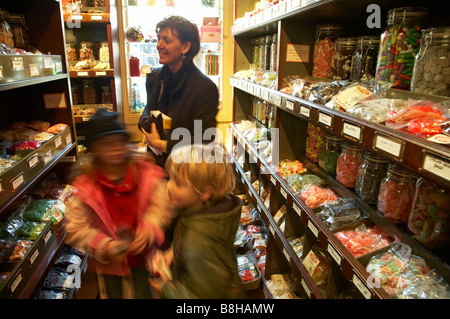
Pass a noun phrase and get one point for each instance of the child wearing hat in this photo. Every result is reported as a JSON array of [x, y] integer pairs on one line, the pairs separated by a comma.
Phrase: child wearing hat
[[120, 211]]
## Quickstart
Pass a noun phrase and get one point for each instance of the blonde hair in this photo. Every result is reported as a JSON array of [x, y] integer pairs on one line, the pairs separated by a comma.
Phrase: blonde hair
[[202, 166]]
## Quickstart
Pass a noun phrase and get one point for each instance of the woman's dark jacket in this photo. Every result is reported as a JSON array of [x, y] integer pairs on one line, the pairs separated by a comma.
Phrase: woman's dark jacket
[[185, 96]]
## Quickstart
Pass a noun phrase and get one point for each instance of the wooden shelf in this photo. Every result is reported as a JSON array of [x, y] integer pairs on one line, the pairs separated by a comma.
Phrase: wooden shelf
[[403, 148], [29, 82], [81, 74]]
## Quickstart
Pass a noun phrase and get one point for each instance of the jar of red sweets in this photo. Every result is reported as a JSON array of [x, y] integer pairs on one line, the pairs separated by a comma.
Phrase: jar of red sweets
[[347, 164], [395, 198]]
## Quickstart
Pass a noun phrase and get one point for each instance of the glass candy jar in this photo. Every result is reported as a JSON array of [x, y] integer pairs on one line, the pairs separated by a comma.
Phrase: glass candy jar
[[369, 176], [273, 53], [329, 154], [262, 52], [430, 216], [431, 73], [86, 52], [71, 52], [399, 44], [256, 49], [347, 164], [89, 92], [326, 35], [364, 59], [395, 197], [341, 62]]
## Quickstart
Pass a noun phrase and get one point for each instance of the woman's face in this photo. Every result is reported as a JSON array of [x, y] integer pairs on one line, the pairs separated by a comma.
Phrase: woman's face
[[171, 49]]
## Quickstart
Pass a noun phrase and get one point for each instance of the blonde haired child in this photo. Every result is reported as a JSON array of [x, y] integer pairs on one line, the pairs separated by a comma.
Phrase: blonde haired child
[[204, 260]]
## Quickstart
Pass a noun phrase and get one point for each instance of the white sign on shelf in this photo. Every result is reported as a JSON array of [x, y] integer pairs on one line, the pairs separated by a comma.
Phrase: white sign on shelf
[[277, 99], [437, 166], [325, 119], [388, 145], [305, 111], [361, 287], [352, 130], [290, 105]]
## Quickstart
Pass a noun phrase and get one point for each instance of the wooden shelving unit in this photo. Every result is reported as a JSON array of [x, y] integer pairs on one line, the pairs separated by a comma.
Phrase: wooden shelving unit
[[24, 100], [296, 24]]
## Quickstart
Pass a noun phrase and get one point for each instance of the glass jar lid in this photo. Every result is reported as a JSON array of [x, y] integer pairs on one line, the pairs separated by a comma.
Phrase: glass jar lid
[[397, 170], [397, 15], [370, 41], [348, 42], [350, 146], [333, 138], [86, 44], [374, 158], [440, 35]]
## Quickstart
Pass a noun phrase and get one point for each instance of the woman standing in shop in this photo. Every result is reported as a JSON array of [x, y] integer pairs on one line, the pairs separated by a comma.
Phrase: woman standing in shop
[[179, 90]]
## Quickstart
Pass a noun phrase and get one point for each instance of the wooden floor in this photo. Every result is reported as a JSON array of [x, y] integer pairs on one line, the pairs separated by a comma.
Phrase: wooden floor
[[89, 288]]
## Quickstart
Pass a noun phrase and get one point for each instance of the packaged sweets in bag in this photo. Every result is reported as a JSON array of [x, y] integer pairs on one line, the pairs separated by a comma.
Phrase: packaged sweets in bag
[[317, 263]]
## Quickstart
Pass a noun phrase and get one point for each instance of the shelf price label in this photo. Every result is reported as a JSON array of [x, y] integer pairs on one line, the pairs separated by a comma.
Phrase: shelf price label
[[389, 145], [284, 193], [290, 105], [68, 139], [257, 91], [47, 237], [273, 180], [34, 256], [17, 182], [47, 157], [97, 17], [17, 63], [82, 73], [313, 228], [265, 95], [298, 210], [34, 69], [282, 7], [58, 142], [32, 162], [306, 288], [277, 99], [100, 73], [352, 130], [295, 3], [334, 253], [436, 165], [325, 119], [15, 283], [305, 111], [361, 286]]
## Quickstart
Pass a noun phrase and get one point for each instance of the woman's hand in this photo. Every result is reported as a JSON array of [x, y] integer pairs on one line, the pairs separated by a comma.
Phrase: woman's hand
[[153, 138]]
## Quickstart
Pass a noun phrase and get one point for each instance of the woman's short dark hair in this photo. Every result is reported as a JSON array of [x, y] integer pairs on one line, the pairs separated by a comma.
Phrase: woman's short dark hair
[[185, 30]]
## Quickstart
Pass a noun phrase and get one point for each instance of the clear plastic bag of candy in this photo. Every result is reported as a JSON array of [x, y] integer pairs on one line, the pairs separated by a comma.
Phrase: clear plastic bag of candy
[[339, 212], [315, 195], [317, 263], [420, 117], [376, 110], [299, 181], [363, 240], [397, 270]]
